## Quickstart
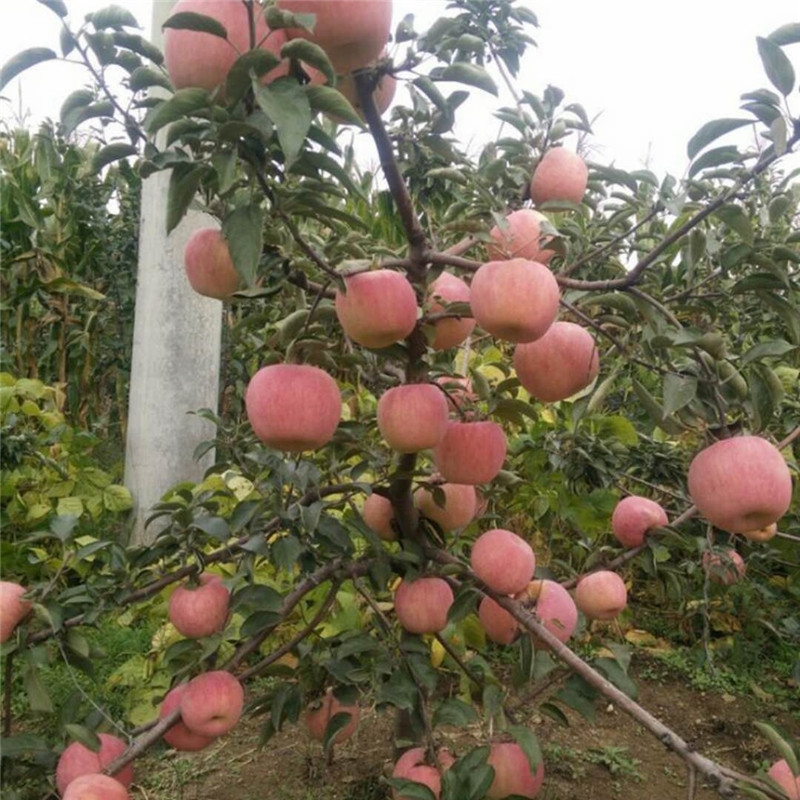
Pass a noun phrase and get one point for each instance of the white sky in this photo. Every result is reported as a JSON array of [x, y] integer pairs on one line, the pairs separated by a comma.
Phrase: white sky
[[654, 71]]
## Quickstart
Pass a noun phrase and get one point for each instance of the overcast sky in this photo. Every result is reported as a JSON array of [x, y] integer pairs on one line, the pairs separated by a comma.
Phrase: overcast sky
[[654, 72]]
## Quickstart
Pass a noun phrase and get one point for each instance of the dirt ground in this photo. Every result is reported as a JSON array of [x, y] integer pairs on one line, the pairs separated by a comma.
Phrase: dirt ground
[[613, 759]]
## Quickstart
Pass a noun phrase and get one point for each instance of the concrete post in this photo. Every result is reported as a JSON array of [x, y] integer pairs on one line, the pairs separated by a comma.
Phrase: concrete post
[[176, 352]]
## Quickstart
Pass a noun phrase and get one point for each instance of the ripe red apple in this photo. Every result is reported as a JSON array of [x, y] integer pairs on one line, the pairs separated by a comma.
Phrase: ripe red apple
[[209, 266], [504, 561], [560, 175], [293, 407], [559, 364], [601, 595], [77, 760], [421, 605], [95, 787], [471, 452], [458, 391], [555, 608], [12, 608], [212, 703], [740, 484], [762, 534], [411, 766], [413, 417], [200, 610], [725, 567], [449, 333], [379, 308], [512, 772], [179, 736], [203, 60], [634, 516], [781, 773], [378, 516], [317, 719], [352, 32], [499, 625], [521, 238], [458, 509], [514, 300]]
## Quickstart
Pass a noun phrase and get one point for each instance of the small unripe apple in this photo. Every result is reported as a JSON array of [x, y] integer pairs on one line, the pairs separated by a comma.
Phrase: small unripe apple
[[512, 772], [471, 452], [212, 703], [458, 391], [555, 608], [559, 364], [317, 719], [293, 407], [781, 773], [740, 484], [179, 736], [421, 605], [504, 561], [560, 175], [95, 787], [13, 609], [498, 624], [725, 567], [200, 610], [209, 266], [633, 517], [77, 760], [601, 595], [515, 300], [202, 60], [413, 417], [411, 766], [762, 534], [378, 515], [520, 238], [378, 309], [449, 333], [458, 509]]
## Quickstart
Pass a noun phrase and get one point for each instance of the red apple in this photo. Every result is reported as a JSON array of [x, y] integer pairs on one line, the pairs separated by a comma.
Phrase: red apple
[[413, 417], [512, 772], [458, 509], [725, 567], [293, 407], [449, 332], [378, 309], [198, 611], [352, 32], [740, 484], [762, 534], [458, 391], [601, 595], [555, 608], [411, 766], [202, 60], [634, 516], [559, 364], [504, 561], [77, 760], [378, 516], [12, 608], [515, 300], [317, 719], [179, 736], [421, 605], [781, 773], [471, 452], [560, 175], [520, 238], [499, 625], [212, 703], [209, 266], [95, 787]]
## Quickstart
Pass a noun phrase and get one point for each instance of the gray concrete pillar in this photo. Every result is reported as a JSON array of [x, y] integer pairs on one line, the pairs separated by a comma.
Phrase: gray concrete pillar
[[176, 352]]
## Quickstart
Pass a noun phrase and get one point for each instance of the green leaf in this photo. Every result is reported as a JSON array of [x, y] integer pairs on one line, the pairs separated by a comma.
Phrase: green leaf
[[278, 18], [146, 77], [22, 61], [780, 134], [777, 65], [184, 103], [454, 712], [786, 34], [715, 157], [260, 62], [711, 131], [780, 744], [334, 104], [470, 74], [117, 498], [110, 153], [679, 391], [655, 411], [774, 349], [183, 185], [429, 88], [214, 527], [113, 17], [38, 697], [313, 54], [410, 790], [286, 103], [87, 737], [737, 220], [192, 21], [56, 6], [243, 229], [527, 740]]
